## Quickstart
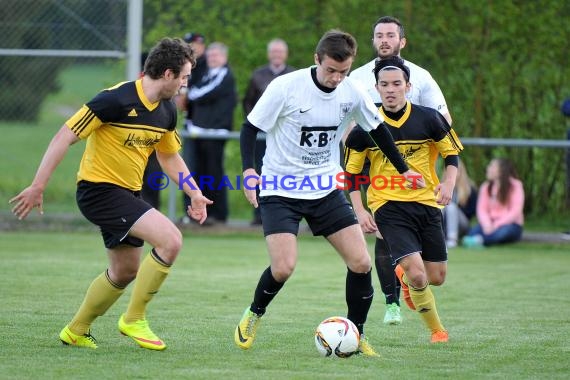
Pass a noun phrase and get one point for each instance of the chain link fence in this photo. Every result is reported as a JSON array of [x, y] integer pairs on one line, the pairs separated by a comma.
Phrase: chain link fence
[[41, 38]]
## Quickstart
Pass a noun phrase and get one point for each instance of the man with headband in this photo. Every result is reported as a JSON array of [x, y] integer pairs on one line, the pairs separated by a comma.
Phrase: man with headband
[[388, 38], [409, 219]]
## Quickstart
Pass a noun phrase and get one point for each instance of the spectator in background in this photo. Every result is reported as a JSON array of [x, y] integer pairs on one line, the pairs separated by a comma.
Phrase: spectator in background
[[277, 52], [499, 207], [212, 101], [457, 214], [198, 43]]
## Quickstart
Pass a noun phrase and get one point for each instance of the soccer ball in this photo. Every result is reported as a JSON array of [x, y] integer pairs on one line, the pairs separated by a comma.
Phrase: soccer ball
[[337, 337]]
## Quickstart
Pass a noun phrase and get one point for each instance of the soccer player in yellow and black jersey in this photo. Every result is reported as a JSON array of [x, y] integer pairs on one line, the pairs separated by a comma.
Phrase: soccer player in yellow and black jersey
[[123, 125], [408, 218]]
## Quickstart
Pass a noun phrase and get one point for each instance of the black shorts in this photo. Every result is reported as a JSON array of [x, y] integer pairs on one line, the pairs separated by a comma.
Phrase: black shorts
[[325, 216], [114, 209], [410, 227]]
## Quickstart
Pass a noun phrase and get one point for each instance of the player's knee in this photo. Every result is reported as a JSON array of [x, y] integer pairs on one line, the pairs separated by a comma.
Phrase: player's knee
[[416, 278], [282, 271], [170, 245], [122, 276], [361, 264], [437, 278]]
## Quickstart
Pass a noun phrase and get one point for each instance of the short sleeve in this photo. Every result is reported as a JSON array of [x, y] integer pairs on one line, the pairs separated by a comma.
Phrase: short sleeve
[[354, 160], [169, 143], [366, 113], [102, 109], [84, 122], [446, 140]]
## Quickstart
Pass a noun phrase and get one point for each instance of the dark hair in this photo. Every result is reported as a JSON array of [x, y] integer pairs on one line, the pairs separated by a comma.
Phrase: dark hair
[[390, 20], [168, 53], [194, 37], [506, 172], [391, 63], [337, 45]]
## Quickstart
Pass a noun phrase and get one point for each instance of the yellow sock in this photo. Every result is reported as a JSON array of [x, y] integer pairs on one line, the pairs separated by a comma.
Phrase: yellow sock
[[101, 294], [150, 276], [425, 306]]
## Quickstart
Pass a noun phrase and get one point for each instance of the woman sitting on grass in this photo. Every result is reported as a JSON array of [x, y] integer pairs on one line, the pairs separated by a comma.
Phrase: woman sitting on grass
[[499, 207]]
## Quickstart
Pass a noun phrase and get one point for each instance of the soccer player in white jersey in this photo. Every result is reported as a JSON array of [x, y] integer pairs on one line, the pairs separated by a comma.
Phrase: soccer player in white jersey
[[388, 39], [304, 114]]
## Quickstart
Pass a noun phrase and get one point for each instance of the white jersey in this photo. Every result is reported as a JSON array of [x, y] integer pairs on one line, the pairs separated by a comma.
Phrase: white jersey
[[424, 91], [304, 127]]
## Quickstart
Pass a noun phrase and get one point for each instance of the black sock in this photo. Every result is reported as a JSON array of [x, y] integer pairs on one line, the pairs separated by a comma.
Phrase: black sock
[[385, 268], [359, 294], [266, 290]]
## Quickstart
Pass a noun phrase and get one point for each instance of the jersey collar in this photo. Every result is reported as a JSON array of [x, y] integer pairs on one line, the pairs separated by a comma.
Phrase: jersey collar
[[150, 106], [397, 123]]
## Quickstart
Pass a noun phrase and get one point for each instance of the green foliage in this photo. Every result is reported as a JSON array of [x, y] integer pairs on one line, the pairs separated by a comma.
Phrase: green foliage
[[503, 66], [501, 326]]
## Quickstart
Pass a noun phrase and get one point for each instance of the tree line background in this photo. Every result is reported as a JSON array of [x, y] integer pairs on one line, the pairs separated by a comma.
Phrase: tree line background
[[502, 65]]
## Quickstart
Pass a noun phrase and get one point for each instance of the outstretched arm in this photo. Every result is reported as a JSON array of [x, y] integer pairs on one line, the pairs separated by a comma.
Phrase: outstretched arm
[[32, 196]]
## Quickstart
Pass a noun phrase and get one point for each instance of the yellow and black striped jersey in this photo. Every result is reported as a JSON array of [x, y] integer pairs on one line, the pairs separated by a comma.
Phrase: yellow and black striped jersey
[[421, 134], [122, 128]]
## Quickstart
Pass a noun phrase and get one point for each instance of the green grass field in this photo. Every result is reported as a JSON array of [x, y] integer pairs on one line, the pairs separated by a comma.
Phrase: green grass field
[[507, 310]]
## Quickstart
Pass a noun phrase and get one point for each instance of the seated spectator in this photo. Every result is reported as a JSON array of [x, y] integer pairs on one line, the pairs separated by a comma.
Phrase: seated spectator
[[463, 207], [499, 207]]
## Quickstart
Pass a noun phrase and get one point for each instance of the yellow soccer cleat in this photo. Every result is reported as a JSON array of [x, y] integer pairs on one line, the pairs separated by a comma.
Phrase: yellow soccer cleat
[[366, 349], [70, 339], [141, 333], [245, 331]]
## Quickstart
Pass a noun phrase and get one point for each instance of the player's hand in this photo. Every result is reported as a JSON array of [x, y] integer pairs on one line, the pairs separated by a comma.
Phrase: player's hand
[[366, 221], [197, 208], [251, 180], [443, 193], [415, 179], [24, 202]]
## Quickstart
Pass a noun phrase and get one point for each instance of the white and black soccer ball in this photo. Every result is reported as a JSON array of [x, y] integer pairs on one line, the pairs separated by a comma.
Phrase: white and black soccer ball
[[337, 337]]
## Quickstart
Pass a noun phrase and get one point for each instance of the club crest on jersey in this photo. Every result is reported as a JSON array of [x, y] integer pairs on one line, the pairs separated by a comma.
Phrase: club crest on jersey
[[345, 108]]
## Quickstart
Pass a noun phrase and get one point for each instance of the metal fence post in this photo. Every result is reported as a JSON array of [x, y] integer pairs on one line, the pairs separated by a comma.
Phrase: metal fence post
[[568, 171]]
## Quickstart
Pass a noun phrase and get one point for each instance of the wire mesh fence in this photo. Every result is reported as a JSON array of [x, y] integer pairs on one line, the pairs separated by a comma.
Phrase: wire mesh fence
[[40, 38]]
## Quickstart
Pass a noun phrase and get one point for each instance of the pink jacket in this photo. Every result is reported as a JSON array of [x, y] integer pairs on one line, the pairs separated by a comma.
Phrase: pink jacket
[[491, 214]]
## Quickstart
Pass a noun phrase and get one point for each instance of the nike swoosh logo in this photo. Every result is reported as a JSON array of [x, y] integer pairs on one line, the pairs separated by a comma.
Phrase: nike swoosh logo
[[307, 110], [157, 342], [241, 338], [74, 341]]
